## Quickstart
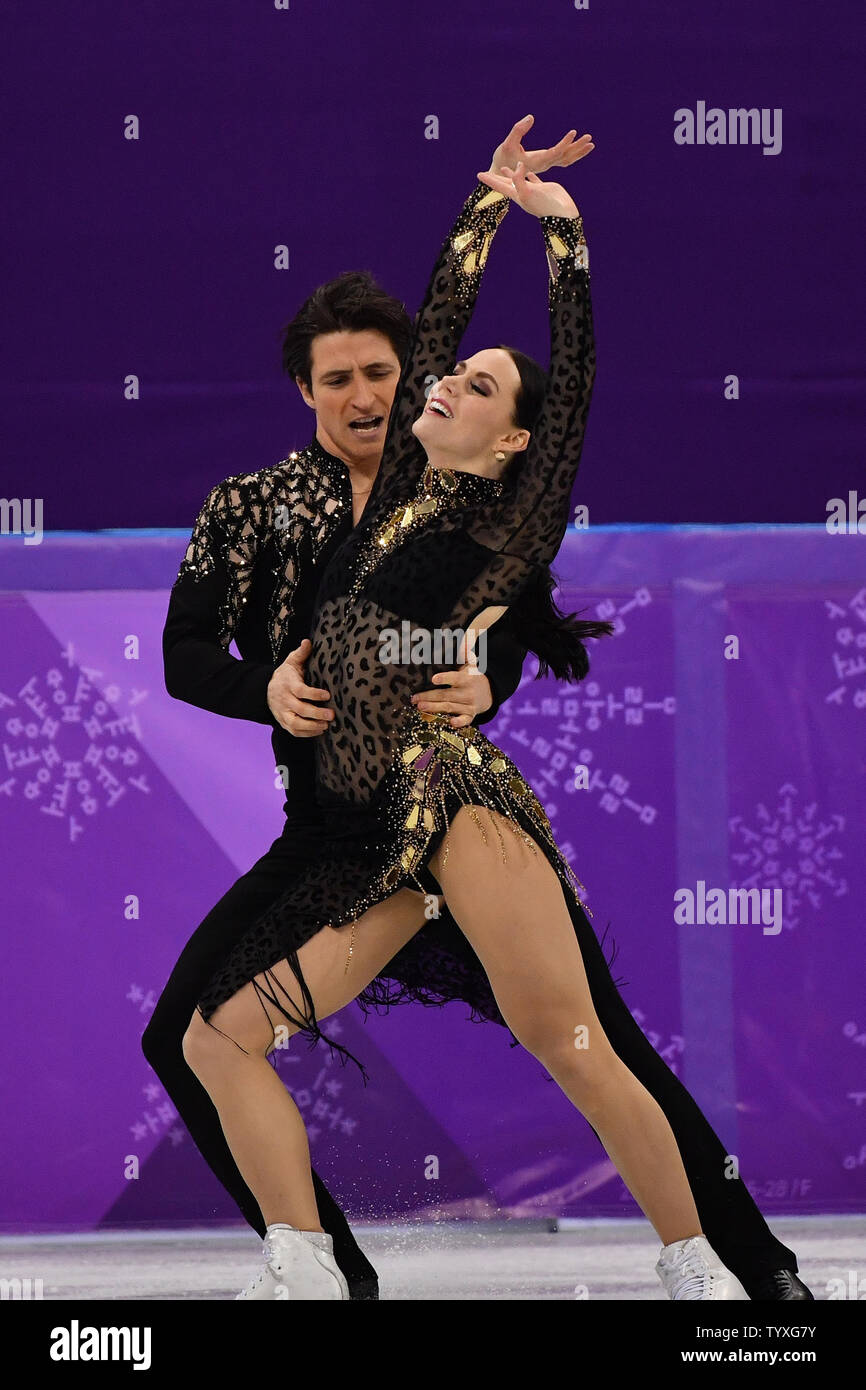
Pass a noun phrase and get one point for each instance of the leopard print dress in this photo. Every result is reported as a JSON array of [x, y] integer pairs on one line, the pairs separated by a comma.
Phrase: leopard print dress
[[434, 549]]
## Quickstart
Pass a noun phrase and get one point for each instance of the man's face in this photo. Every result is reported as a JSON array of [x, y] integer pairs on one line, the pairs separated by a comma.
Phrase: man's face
[[354, 380]]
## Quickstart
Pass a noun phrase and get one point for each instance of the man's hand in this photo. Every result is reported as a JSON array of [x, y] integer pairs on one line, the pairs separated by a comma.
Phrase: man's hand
[[511, 151], [468, 694], [288, 697]]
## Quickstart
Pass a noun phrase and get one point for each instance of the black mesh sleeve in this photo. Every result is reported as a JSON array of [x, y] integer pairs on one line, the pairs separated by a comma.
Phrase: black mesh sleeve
[[440, 324]]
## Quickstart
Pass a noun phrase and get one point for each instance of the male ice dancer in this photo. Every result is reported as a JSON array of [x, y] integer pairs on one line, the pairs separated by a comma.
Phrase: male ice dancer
[[251, 573]]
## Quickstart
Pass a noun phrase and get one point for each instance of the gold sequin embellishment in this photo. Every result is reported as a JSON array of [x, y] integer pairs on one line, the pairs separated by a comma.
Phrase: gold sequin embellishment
[[435, 759], [442, 489]]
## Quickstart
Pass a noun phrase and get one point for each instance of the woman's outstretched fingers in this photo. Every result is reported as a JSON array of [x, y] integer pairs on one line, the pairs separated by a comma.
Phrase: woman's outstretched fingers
[[521, 174]]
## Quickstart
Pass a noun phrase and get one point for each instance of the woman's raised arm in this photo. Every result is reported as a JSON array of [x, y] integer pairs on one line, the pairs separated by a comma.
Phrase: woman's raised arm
[[439, 326], [532, 522], [446, 310]]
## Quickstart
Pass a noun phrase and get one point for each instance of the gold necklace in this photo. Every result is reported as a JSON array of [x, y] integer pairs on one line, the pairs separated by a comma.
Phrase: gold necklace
[[391, 532], [403, 516]]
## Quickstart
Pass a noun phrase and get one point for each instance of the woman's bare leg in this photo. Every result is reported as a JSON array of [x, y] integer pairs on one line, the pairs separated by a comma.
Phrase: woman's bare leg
[[515, 917], [261, 1122]]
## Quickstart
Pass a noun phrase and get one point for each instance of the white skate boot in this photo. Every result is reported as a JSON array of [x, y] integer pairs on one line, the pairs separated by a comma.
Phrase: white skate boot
[[298, 1264], [691, 1269]]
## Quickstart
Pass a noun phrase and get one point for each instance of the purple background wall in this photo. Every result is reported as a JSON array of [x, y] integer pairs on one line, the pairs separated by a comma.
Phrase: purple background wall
[[306, 127], [154, 257]]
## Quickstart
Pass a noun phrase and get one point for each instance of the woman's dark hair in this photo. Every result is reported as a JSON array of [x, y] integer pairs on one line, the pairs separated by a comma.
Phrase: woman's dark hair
[[354, 302], [534, 381], [557, 638], [536, 620]]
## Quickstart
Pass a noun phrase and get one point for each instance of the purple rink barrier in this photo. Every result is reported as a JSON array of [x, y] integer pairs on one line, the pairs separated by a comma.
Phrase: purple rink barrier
[[703, 773]]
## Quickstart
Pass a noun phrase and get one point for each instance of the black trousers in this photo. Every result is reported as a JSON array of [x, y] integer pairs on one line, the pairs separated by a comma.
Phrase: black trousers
[[729, 1216]]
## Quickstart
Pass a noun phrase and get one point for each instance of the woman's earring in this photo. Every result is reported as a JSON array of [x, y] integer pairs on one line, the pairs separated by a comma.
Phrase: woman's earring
[[499, 456]]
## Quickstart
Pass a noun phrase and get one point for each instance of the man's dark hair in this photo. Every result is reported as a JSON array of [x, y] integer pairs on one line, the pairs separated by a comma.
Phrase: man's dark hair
[[354, 303]]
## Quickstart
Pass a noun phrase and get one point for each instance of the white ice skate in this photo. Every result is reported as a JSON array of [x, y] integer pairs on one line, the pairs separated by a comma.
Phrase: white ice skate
[[691, 1269], [298, 1264]]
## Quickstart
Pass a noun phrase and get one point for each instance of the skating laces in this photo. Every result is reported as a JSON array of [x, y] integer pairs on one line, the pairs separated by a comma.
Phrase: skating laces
[[695, 1286], [697, 1278]]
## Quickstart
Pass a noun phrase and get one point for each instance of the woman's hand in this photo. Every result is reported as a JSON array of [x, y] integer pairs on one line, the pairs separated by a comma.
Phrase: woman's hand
[[511, 151], [532, 193]]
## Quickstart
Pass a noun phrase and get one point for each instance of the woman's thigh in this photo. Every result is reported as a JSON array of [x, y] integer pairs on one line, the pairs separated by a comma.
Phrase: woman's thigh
[[334, 973], [508, 902]]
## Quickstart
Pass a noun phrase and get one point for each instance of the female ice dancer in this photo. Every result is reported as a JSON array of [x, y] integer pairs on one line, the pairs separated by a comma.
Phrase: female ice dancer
[[470, 503]]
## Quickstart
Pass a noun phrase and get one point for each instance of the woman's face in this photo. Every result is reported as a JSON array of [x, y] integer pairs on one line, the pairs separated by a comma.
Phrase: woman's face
[[470, 411]]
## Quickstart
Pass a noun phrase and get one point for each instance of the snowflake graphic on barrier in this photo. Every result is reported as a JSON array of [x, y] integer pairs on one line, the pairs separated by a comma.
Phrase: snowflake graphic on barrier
[[792, 848], [674, 1045], [68, 750], [316, 1099], [160, 1117], [554, 728], [849, 651]]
